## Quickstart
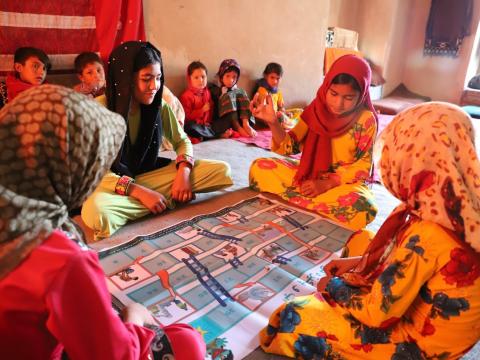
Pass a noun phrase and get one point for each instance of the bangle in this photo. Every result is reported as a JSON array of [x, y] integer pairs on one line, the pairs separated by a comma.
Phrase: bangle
[[121, 188], [184, 158]]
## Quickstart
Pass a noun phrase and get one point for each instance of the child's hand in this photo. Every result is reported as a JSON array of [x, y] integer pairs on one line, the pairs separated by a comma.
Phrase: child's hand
[[206, 107], [137, 314], [312, 188], [263, 111], [182, 188], [151, 199]]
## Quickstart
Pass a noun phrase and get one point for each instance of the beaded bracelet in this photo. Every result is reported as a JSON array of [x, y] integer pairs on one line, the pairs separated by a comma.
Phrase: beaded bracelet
[[123, 183]]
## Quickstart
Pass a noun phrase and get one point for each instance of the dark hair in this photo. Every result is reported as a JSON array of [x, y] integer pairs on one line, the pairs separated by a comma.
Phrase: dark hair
[[194, 66], [22, 54], [273, 68], [145, 57], [86, 58], [347, 79]]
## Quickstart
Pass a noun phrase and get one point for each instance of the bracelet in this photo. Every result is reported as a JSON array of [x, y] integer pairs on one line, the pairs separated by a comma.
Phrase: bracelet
[[123, 183], [184, 158]]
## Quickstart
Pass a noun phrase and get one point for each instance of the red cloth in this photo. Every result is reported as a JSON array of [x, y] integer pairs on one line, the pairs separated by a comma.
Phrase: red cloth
[[193, 101], [58, 297], [77, 26], [323, 125], [15, 86]]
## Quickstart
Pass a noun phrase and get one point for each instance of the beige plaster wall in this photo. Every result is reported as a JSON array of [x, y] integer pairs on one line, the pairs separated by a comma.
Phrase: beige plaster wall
[[344, 13], [381, 28], [291, 32]]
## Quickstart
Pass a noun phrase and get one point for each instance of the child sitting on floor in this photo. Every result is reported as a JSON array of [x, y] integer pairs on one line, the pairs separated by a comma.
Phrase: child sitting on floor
[[90, 72], [30, 69], [269, 85], [231, 102], [198, 105]]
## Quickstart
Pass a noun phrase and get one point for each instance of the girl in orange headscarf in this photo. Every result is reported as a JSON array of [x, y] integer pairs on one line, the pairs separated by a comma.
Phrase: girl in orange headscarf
[[415, 292], [335, 134]]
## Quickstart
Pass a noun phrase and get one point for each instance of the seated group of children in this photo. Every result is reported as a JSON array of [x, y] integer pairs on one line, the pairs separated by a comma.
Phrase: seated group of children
[[212, 110], [411, 291]]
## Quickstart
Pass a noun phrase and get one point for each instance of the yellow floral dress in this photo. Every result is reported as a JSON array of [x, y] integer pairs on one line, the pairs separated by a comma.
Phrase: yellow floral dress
[[350, 203], [425, 304]]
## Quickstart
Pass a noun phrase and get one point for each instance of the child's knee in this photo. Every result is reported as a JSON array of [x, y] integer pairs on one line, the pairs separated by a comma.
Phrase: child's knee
[[358, 243], [98, 218]]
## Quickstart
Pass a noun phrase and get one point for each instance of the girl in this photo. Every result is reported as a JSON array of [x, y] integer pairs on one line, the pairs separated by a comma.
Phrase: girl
[[335, 134], [140, 182], [231, 102], [54, 295], [415, 292], [198, 104]]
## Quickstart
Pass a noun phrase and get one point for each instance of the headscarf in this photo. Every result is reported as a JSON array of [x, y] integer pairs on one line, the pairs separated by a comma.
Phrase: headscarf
[[225, 66], [140, 157], [55, 146], [428, 161], [323, 125]]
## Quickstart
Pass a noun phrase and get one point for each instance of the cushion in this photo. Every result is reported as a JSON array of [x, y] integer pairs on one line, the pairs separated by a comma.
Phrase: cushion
[[398, 100], [473, 111]]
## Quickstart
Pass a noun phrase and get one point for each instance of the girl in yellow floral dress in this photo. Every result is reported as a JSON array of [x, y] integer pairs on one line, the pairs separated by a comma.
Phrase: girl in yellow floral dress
[[335, 135], [415, 292]]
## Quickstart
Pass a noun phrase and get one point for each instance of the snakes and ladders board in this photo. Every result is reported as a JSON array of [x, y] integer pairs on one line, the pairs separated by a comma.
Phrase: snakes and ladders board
[[224, 273]]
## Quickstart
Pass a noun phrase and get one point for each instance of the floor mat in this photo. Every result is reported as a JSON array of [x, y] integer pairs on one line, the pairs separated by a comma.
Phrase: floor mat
[[225, 272]]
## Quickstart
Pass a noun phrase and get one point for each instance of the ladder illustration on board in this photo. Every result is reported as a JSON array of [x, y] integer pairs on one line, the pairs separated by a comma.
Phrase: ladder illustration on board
[[207, 280]]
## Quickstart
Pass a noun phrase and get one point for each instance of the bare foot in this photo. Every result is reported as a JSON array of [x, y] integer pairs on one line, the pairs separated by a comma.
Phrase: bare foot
[[243, 132], [227, 134], [247, 129]]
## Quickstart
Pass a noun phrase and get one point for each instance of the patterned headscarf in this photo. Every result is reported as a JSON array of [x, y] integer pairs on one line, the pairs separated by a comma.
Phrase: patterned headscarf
[[55, 146], [228, 65], [428, 161]]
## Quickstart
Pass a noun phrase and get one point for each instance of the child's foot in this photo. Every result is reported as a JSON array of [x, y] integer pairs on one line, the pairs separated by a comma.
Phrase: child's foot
[[227, 134], [247, 129], [235, 134], [250, 131], [243, 132]]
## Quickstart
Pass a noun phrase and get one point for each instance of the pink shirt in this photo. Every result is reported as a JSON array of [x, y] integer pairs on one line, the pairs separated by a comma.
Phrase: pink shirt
[[57, 298]]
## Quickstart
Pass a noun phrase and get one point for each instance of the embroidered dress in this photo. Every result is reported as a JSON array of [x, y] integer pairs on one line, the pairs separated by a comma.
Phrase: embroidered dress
[[352, 202]]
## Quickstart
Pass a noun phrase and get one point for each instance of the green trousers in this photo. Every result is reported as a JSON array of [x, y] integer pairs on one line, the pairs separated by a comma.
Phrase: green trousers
[[105, 211]]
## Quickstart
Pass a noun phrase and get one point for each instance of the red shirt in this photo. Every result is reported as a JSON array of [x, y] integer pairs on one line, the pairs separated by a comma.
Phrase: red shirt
[[193, 106], [57, 298]]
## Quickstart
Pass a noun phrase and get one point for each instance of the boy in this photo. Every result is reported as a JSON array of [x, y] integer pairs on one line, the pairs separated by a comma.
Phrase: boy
[[269, 85], [90, 71], [31, 66]]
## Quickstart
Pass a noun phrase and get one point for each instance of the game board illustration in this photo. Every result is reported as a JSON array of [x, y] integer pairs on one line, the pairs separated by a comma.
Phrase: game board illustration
[[224, 273]]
